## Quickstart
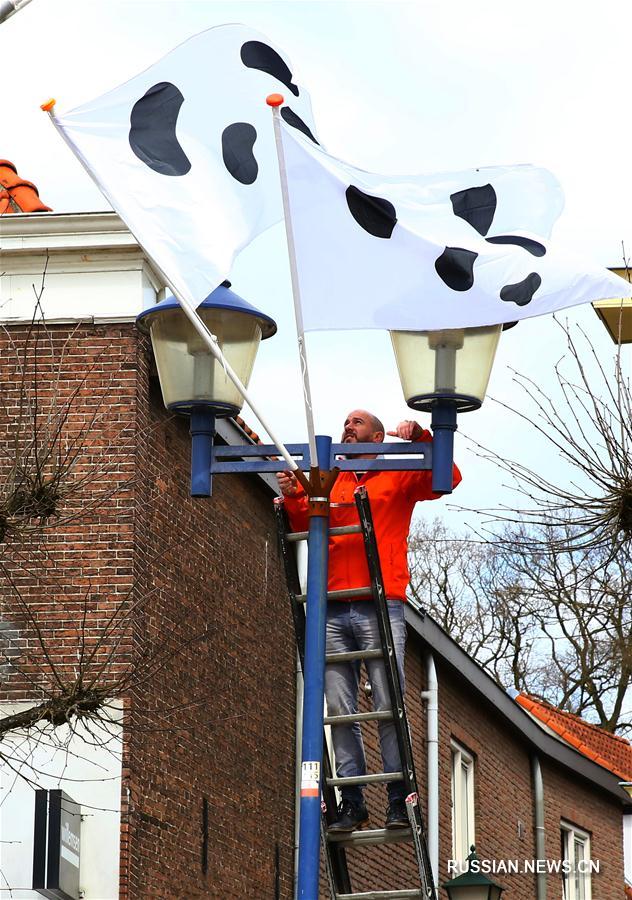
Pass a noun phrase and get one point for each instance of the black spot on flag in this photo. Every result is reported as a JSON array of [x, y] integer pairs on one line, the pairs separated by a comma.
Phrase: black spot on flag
[[522, 292], [374, 214], [288, 115], [238, 141], [477, 205], [535, 248], [257, 55], [152, 134], [455, 267]]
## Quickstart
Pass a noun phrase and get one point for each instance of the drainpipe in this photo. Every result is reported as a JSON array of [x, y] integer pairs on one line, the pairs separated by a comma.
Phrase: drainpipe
[[297, 774], [538, 798], [431, 696]]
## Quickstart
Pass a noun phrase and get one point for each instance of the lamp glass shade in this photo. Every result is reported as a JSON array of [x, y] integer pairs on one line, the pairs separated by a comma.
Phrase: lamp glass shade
[[453, 364], [189, 373]]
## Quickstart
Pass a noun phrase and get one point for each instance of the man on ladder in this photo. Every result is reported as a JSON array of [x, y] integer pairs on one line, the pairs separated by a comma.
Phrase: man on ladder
[[352, 624]]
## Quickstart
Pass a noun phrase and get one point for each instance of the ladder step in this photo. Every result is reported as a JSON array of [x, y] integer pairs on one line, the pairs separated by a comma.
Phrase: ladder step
[[352, 655], [382, 895], [365, 837], [342, 529], [351, 594], [383, 715], [378, 778]]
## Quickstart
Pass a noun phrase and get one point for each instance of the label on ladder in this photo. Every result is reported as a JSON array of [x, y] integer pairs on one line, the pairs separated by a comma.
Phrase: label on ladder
[[310, 778]]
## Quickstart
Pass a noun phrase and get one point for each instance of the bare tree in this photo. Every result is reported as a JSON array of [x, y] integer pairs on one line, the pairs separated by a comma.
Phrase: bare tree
[[469, 589], [556, 623], [541, 596], [587, 421], [67, 638]]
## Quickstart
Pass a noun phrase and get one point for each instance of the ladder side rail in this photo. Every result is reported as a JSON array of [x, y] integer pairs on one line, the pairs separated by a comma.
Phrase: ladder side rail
[[386, 634], [397, 698], [335, 857]]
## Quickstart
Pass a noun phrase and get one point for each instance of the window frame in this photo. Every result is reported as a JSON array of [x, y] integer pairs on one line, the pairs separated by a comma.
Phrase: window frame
[[571, 835], [463, 827]]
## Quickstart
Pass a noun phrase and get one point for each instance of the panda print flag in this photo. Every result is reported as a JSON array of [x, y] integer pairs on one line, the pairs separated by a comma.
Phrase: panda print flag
[[184, 151], [453, 250]]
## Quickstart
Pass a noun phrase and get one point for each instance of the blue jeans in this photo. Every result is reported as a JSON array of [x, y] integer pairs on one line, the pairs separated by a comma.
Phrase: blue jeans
[[353, 626]]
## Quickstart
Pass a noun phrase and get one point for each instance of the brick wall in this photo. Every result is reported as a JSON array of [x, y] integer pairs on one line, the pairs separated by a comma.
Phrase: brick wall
[[69, 395], [503, 797], [210, 569], [185, 601]]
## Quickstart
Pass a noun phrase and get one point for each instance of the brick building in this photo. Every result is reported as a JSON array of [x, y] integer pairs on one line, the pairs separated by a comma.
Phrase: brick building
[[610, 751], [176, 609]]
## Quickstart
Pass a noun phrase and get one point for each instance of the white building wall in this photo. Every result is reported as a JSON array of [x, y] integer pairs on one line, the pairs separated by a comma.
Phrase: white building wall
[[86, 764], [94, 268]]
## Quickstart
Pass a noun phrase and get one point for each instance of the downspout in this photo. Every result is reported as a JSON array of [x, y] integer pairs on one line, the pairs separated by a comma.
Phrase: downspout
[[431, 696], [297, 773], [538, 800]]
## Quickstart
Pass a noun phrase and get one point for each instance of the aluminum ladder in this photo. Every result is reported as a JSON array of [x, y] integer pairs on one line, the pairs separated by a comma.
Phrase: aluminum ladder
[[336, 845]]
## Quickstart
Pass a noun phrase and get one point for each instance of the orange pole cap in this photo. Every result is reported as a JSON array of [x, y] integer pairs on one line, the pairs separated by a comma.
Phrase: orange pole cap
[[48, 105], [274, 99]]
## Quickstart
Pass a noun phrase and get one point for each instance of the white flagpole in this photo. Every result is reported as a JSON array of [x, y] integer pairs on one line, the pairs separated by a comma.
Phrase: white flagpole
[[275, 100], [191, 313]]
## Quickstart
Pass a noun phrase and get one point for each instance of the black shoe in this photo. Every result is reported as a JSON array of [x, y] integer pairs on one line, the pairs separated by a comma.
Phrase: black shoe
[[350, 816], [396, 815]]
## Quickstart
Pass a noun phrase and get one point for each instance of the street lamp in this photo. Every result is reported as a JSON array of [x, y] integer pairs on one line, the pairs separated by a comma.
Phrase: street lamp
[[445, 372], [616, 313], [473, 884], [192, 380]]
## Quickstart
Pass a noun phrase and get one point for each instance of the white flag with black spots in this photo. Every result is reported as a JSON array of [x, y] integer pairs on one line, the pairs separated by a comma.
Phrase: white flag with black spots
[[450, 250], [185, 151]]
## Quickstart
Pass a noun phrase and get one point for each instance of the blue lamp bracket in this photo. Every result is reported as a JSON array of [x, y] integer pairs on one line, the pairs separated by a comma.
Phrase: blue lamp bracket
[[209, 458]]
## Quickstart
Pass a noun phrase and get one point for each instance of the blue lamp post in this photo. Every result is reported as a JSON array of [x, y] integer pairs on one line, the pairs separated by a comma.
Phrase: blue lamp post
[[193, 381]]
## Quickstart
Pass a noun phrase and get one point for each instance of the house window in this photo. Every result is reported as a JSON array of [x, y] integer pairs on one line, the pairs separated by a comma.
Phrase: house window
[[462, 802], [576, 852]]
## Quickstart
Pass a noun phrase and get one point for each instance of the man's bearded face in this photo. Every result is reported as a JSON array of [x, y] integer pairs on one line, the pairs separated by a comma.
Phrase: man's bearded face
[[358, 428]]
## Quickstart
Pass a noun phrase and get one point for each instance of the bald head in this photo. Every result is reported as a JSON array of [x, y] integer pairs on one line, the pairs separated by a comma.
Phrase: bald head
[[362, 427]]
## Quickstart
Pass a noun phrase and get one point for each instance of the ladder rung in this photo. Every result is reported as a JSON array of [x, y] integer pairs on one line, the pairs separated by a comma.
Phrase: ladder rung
[[351, 594], [382, 895], [379, 715], [378, 778], [353, 654], [295, 536], [367, 836]]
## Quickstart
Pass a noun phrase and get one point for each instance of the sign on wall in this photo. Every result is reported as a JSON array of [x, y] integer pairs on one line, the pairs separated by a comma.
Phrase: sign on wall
[[56, 845]]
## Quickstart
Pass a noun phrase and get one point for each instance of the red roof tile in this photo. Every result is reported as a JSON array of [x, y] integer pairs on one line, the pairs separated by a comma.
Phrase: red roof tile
[[254, 437], [608, 750], [17, 195]]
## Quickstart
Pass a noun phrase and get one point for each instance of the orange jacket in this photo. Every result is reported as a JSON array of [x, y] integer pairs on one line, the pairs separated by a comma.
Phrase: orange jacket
[[393, 496]]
